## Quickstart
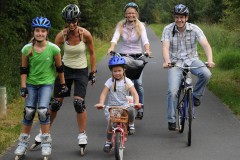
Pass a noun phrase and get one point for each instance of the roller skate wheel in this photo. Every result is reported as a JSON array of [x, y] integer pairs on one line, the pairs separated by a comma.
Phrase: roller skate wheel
[[34, 147], [45, 158], [19, 157]]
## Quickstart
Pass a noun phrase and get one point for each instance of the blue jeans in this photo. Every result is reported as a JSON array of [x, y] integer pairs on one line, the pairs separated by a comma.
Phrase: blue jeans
[[38, 96], [174, 80], [139, 87]]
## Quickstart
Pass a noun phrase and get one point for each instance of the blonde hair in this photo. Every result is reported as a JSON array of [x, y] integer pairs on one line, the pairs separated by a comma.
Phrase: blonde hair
[[30, 52], [123, 22]]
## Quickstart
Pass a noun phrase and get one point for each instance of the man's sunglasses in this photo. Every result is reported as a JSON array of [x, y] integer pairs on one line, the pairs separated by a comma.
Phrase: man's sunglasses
[[72, 21]]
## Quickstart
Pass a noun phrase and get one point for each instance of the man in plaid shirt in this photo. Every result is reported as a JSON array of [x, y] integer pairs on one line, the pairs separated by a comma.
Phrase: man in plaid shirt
[[179, 45]]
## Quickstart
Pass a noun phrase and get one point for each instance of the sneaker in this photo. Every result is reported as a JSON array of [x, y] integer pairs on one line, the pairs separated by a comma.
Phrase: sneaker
[[196, 101], [171, 126], [139, 115], [131, 130], [107, 147]]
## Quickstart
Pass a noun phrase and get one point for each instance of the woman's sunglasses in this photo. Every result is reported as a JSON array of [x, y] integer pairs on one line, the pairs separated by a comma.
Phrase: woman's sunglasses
[[71, 21]]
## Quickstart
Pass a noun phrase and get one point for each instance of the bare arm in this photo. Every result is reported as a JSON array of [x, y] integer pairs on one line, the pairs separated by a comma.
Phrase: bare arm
[[134, 94], [165, 52], [59, 39], [102, 98], [24, 76], [89, 41], [208, 51], [58, 63]]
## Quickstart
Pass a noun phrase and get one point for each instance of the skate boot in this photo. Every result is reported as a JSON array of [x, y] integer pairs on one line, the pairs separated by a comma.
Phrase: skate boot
[[46, 145], [37, 142], [82, 137], [22, 146]]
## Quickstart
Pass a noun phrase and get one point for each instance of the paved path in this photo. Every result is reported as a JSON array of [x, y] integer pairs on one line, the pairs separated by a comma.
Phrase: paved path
[[216, 131]]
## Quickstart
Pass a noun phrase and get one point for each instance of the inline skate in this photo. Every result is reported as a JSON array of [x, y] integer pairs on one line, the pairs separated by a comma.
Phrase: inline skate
[[82, 137], [22, 146], [46, 145]]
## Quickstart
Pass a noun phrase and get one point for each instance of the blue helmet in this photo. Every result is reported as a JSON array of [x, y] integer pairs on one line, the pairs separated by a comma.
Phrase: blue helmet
[[116, 61], [41, 22], [131, 4]]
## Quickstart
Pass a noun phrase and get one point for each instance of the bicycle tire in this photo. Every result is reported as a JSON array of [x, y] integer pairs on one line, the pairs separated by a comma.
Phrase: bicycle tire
[[118, 146], [180, 112], [190, 116]]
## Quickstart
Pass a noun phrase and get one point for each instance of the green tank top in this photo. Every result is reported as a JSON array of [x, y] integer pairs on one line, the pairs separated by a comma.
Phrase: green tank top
[[41, 65]]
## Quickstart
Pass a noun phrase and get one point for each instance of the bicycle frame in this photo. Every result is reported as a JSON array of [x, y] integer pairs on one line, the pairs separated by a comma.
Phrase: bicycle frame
[[185, 107]]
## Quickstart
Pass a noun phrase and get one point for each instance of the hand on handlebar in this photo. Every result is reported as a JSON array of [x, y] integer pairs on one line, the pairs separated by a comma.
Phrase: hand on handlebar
[[99, 106], [210, 64]]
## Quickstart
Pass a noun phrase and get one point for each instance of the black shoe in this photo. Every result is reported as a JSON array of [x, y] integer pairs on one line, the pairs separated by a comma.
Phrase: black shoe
[[196, 101], [171, 126], [107, 147], [139, 115]]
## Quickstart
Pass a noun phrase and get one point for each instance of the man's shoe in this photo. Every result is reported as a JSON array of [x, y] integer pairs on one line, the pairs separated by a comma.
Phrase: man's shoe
[[171, 126], [139, 115], [196, 101]]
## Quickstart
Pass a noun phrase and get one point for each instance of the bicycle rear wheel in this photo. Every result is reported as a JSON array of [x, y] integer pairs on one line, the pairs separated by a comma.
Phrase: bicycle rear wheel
[[180, 112], [118, 146], [190, 116]]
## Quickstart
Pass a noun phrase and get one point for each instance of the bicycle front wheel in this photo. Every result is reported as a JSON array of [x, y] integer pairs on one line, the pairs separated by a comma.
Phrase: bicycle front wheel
[[180, 112], [118, 146], [190, 116]]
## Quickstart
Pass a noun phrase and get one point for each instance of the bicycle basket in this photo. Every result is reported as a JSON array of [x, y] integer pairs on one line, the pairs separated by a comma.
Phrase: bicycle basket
[[134, 67], [118, 114]]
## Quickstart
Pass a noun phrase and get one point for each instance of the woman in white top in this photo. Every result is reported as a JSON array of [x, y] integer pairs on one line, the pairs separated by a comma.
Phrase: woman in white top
[[133, 36]]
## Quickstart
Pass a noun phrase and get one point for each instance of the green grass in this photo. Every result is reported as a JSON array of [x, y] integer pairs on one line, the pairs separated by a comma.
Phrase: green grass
[[10, 126], [225, 79]]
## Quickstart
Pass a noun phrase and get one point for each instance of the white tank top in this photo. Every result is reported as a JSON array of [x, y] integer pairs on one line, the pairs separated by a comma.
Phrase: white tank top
[[75, 56]]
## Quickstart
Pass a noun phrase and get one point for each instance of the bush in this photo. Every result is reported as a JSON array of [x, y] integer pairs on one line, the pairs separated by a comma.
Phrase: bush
[[229, 59]]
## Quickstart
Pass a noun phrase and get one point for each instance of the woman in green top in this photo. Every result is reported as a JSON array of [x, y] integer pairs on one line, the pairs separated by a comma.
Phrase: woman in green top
[[37, 78]]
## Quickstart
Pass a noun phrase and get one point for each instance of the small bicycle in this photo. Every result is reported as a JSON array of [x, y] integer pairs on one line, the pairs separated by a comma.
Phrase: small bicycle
[[119, 121], [185, 107]]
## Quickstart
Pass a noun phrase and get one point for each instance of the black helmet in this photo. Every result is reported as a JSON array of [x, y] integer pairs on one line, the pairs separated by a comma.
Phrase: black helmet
[[131, 4], [71, 12], [181, 10]]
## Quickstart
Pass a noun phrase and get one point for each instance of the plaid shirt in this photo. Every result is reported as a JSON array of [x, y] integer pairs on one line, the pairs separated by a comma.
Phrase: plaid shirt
[[183, 48]]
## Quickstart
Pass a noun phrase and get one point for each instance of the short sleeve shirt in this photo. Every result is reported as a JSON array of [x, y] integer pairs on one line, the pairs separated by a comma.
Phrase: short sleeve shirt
[[183, 48], [41, 65]]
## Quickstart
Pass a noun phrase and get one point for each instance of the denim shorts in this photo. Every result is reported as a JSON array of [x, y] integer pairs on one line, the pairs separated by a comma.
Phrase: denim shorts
[[78, 77], [38, 96]]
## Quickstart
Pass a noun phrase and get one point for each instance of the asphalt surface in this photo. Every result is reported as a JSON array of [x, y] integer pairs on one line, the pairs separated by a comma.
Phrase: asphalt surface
[[215, 131]]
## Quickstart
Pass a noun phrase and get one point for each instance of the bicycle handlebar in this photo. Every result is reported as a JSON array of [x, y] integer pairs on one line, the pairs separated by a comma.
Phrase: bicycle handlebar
[[102, 106], [122, 54]]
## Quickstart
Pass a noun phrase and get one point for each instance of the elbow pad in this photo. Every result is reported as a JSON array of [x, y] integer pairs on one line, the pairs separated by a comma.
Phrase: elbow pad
[[59, 69], [24, 70]]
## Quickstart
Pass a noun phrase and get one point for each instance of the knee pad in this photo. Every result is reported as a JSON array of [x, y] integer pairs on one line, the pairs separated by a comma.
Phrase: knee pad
[[79, 105], [43, 114], [29, 113], [55, 105]]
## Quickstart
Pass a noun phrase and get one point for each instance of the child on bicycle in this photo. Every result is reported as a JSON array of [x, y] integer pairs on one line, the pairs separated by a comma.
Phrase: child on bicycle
[[117, 88]]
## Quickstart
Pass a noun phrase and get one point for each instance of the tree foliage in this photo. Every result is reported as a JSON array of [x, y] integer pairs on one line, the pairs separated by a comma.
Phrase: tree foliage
[[99, 17]]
